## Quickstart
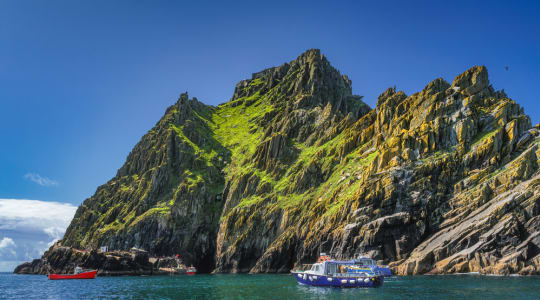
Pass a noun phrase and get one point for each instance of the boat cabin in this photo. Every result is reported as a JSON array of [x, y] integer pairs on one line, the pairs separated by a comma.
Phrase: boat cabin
[[364, 261], [317, 269], [339, 268]]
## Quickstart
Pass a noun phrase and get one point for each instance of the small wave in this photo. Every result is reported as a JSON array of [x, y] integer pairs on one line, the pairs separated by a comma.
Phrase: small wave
[[467, 273]]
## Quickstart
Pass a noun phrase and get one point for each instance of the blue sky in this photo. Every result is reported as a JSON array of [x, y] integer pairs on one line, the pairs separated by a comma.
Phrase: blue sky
[[82, 81]]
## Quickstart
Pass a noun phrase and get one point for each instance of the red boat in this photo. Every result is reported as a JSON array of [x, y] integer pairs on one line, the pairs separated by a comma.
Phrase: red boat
[[79, 274], [191, 270]]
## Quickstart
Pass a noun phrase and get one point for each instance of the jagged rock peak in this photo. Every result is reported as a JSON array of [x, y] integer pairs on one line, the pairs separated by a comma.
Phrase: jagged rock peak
[[184, 107], [390, 93], [309, 74], [185, 101], [385, 95], [472, 81], [436, 86]]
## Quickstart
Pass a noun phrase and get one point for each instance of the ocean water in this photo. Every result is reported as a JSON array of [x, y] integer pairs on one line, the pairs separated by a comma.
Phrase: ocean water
[[265, 287]]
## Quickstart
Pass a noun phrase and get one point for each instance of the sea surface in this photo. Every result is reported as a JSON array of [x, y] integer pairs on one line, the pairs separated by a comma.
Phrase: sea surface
[[265, 287]]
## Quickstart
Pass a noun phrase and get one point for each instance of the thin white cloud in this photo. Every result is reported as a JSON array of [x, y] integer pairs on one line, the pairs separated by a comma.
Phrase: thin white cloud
[[6, 242], [55, 232], [7, 247], [29, 227], [41, 180], [30, 211]]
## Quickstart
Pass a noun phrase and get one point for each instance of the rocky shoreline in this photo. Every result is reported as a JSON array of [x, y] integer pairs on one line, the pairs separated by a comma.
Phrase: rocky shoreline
[[61, 259]]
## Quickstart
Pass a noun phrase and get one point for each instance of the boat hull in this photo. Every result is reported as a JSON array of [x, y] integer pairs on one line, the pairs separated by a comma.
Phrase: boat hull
[[385, 271], [84, 275], [337, 281]]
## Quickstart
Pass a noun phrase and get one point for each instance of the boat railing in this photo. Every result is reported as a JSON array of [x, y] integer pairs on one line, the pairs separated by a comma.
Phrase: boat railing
[[349, 275]]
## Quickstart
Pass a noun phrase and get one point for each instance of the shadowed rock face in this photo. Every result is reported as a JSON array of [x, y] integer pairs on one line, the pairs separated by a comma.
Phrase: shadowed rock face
[[441, 181]]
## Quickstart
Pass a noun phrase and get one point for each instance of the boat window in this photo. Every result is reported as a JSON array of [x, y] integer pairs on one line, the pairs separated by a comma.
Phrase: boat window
[[366, 262], [331, 269]]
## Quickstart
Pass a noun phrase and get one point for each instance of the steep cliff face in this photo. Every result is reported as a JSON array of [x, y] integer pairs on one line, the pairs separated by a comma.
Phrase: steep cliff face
[[441, 181], [166, 197]]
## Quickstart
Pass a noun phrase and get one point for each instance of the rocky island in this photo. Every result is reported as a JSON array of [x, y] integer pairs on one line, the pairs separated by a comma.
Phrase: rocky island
[[445, 180]]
